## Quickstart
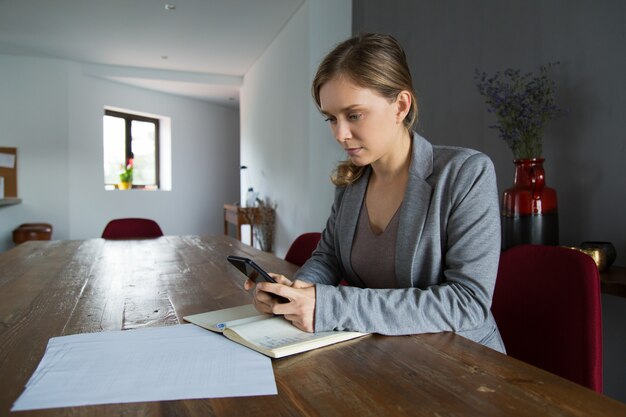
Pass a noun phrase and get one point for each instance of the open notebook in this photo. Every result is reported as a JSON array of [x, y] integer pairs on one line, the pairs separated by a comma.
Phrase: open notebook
[[271, 335]]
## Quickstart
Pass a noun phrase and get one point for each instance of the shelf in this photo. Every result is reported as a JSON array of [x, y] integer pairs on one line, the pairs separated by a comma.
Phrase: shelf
[[239, 216], [9, 201], [613, 281]]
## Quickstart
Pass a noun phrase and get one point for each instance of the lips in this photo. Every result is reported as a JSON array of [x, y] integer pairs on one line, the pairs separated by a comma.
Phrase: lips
[[352, 151]]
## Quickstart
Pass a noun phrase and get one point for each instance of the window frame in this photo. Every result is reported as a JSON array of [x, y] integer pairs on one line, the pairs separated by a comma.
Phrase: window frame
[[128, 119]]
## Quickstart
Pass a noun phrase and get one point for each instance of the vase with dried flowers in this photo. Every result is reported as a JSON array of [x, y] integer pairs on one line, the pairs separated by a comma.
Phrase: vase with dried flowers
[[523, 104]]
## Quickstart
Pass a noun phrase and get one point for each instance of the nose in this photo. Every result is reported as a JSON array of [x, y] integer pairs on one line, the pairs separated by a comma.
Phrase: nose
[[341, 131]]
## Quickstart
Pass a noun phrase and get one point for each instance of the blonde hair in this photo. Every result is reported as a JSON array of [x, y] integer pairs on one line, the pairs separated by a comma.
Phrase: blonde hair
[[374, 61]]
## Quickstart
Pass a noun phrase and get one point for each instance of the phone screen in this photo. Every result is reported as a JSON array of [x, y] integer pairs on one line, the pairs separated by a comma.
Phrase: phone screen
[[253, 271], [250, 269]]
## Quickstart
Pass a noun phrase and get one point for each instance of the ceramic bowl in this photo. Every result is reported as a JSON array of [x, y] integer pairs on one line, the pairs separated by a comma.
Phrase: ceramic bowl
[[605, 252]]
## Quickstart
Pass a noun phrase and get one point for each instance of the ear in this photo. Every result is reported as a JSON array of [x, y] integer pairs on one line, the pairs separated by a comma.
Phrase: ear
[[403, 105]]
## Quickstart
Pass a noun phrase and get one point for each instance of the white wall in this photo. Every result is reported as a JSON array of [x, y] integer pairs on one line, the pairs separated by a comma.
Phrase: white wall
[[33, 118], [330, 22], [53, 114], [285, 144]]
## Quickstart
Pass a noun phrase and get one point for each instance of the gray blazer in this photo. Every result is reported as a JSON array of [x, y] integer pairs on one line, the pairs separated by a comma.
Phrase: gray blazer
[[447, 253]]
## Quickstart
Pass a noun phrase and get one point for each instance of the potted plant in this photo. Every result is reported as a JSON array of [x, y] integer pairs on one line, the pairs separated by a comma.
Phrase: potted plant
[[523, 104], [126, 177]]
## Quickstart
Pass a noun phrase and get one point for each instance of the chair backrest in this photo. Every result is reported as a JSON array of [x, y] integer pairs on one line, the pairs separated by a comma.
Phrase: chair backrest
[[547, 304], [302, 248], [131, 228]]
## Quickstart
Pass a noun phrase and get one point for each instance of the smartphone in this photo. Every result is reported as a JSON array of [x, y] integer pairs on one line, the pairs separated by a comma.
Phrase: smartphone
[[250, 269], [254, 272]]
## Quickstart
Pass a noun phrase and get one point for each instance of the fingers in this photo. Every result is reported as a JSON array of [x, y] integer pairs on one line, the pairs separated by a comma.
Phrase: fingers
[[281, 279], [300, 311], [266, 296], [303, 292], [263, 302], [270, 287], [284, 283], [263, 297]]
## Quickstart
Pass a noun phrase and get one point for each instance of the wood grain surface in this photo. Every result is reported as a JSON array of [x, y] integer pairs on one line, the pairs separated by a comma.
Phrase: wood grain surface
[[58, 288]]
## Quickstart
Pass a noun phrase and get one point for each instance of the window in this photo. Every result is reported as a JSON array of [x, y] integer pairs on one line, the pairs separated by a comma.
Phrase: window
[[130, 136]]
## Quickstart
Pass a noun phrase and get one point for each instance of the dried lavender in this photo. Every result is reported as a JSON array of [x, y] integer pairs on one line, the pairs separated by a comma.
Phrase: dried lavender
[[523, 104]]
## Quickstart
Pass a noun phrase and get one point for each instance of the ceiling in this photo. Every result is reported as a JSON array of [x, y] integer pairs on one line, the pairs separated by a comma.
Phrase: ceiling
[[195, 48]]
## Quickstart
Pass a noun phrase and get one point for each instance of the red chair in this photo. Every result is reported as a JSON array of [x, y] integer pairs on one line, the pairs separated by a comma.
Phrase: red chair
[[131, 228], [302, 248], [548, 308]]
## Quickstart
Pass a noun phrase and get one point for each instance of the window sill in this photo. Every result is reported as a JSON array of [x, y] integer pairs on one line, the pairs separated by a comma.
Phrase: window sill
[[111, 187]]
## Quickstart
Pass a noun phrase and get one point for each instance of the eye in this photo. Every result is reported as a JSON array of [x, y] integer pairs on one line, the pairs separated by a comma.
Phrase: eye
[[330, 119], [354, 117]]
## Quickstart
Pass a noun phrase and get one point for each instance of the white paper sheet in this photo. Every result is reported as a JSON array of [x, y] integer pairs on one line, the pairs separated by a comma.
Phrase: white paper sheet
[[150, 364]]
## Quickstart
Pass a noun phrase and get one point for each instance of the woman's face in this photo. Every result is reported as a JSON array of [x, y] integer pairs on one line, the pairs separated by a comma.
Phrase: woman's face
[[367, 125]]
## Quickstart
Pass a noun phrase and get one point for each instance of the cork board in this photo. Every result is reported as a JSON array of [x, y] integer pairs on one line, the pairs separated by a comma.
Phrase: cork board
[[8, 170]]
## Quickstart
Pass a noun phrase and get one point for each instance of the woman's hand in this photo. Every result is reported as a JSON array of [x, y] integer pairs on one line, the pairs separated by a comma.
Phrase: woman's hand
[[300, 310]]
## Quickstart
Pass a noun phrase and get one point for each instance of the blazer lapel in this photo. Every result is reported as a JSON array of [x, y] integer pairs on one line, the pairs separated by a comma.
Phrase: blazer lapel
[[347, 221], [414, 210]]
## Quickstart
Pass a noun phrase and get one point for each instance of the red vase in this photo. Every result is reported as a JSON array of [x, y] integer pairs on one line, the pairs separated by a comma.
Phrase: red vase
[[529, 208]]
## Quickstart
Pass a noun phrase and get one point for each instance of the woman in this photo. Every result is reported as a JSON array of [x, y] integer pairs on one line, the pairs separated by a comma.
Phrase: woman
[[414, 228]]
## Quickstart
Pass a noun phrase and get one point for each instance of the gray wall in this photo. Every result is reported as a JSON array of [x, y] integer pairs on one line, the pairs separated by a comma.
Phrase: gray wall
[[446, 40], [585, 152]]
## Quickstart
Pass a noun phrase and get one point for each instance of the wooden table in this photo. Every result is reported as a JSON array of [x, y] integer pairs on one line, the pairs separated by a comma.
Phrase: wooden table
[[64, 287]]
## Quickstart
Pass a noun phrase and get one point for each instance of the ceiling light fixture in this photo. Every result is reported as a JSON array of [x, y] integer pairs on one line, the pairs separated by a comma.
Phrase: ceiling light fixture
[[170, 7]]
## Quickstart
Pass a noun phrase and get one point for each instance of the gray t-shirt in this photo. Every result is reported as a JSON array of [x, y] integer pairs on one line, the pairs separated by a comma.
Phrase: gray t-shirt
[[373, 255]]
